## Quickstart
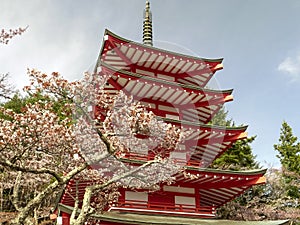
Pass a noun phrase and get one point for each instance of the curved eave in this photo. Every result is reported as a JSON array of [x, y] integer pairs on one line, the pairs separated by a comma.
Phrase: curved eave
[[207, 179], [139, 58], [209, 170], [201, 145], [146, 219], [167, 98], [224, 134], [217, 187], [108, 32], [161, 81], [229, 172], [205, 126]]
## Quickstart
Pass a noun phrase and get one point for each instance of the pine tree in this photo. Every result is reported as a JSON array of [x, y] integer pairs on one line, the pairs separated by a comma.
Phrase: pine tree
[[289, 156], [288, 149], [240, 155]]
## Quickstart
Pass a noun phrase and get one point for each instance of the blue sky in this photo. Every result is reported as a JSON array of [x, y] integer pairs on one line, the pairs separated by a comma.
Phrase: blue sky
[[259, 40]]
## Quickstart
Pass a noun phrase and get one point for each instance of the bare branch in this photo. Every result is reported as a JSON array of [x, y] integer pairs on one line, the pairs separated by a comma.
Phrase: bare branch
[[6, 89], [8, 164]]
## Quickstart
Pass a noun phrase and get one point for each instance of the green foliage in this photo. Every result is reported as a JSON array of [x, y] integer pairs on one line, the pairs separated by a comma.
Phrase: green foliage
[[288, 149], [17, 103], [289, 155], [239, 155], [220, 119]]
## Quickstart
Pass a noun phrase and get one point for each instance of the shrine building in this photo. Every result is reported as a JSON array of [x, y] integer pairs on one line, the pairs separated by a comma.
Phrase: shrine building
[[174, 87]]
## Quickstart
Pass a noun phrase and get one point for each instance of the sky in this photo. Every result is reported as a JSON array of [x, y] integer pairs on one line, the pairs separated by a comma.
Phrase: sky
[[259, 41]]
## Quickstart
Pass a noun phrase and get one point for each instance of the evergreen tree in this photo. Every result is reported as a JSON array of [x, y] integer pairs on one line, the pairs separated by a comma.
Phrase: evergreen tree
[[17, 104], [288, 149], [240, 155], [289, 156], [220, 119]]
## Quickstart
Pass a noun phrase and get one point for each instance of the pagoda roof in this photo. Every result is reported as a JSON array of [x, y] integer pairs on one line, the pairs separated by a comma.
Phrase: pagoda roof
[[190, 102], [146, 219], [204, 143], [215, 187], [147, 60]]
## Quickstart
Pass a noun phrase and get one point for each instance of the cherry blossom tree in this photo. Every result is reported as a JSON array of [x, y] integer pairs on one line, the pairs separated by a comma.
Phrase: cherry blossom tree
[[43, 147], [34, 146]]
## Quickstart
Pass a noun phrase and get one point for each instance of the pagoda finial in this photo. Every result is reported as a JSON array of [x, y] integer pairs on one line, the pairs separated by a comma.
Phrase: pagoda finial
[[147, 26]]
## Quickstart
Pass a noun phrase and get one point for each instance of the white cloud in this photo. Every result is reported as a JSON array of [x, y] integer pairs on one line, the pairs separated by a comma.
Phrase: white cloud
[[291, 66]]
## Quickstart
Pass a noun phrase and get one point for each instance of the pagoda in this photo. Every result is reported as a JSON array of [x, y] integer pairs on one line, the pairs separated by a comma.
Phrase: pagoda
[[173, 87]]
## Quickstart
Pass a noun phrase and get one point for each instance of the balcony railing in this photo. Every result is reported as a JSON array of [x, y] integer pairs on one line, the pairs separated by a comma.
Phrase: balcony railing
[[164, 208]]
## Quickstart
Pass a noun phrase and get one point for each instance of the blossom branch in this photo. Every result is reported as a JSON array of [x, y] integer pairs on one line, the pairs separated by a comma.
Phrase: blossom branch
[[6, 36]]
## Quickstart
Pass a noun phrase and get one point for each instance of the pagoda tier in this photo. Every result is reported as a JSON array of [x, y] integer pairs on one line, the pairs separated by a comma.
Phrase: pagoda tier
[[167, 98], [125, 218], [217, 187], [202, 145], [195, 192], [198, 197], [149, 61]]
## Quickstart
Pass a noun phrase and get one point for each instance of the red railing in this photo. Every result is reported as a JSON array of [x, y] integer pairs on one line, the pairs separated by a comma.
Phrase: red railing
[[174, 208]]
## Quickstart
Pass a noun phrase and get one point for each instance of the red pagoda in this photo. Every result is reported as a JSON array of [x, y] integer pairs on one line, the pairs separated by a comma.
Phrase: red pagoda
[[173, 87]]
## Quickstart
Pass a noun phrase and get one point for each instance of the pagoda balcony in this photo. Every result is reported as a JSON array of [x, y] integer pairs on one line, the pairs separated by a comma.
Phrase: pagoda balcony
[[164, 209]]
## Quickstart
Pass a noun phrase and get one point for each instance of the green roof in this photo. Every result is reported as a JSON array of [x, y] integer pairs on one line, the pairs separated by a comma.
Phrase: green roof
[[132, 218], [139, 219], [240, 172]]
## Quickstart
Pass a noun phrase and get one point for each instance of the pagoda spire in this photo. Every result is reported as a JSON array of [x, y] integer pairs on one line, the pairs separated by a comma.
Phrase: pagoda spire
[[147, 26]]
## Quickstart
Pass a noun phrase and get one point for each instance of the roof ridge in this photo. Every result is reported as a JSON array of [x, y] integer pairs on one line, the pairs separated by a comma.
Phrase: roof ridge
[[108, 32]]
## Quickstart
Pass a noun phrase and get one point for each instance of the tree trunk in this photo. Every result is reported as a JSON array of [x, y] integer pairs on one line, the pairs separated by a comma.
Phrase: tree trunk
[[29, 208], [1, 198], [76, 206], [25, 212], [16, 190], [86, 210]]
